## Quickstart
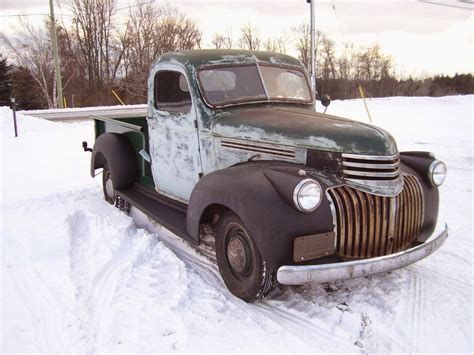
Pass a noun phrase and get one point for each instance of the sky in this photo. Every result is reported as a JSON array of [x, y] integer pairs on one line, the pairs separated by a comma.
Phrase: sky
[[424, 37]]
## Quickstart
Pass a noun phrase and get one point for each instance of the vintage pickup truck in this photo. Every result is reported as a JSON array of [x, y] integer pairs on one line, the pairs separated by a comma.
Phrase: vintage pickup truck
[[232, 139]]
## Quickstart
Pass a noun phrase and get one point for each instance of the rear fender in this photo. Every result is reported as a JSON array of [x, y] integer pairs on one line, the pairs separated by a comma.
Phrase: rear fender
[[114, 151]]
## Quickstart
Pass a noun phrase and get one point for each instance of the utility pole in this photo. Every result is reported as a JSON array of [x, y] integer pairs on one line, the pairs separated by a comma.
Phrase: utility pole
[[313, 45], [57, 69]]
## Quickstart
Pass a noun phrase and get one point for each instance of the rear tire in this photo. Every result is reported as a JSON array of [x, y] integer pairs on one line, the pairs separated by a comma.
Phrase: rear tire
[[244, 271], [109, 192], [108, 186]]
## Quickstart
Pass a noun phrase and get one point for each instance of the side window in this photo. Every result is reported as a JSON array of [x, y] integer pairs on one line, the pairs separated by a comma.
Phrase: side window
[[172, 92]]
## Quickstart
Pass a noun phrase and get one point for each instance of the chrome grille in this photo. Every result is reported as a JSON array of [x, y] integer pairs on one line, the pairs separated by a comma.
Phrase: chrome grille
[[376, 174], [368, 225]]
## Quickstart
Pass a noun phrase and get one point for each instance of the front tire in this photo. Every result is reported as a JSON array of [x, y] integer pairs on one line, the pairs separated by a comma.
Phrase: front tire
[[244, 271]]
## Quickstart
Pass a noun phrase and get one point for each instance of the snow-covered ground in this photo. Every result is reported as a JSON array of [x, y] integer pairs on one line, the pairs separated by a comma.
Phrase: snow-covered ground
[[78, 275]]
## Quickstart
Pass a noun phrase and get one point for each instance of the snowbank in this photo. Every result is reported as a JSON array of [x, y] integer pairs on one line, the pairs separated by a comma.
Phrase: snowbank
[[80, 276]]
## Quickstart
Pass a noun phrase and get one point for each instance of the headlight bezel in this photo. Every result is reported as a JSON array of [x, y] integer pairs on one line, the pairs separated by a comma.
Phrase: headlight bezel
[[432, 172], [298, 189]]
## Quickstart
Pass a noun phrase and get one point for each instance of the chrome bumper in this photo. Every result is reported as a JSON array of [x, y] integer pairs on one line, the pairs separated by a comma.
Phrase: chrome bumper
[[298, 275]]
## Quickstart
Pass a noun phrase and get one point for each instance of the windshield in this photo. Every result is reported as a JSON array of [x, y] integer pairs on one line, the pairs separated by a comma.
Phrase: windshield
[[229, 85]]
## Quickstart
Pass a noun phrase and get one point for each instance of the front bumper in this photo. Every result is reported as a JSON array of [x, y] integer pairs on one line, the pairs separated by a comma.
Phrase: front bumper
[[298, 275]]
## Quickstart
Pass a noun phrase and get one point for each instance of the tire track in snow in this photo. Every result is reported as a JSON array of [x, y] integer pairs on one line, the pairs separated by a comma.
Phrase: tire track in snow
[[126, 282], [417, 309], [44, 312], [94, 288], [152, 288], [49, 310], [80, 235], [273, 314], [148, 302]]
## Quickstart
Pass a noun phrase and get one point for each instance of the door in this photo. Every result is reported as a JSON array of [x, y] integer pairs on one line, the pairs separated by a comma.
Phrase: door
[[174, 142]]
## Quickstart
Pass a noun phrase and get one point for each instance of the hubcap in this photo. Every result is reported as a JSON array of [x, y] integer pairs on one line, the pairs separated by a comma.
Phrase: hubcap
[[237, 254], [109, 187]]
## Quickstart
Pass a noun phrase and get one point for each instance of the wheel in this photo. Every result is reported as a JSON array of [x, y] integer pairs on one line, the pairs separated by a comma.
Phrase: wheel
[[240, 263], [109, 192], [108, 186]]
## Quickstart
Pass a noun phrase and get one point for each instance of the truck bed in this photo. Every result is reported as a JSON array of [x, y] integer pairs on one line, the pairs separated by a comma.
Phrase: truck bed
[[135, 129]]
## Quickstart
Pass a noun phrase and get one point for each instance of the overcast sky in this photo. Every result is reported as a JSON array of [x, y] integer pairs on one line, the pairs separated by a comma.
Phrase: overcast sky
[[424, 37]]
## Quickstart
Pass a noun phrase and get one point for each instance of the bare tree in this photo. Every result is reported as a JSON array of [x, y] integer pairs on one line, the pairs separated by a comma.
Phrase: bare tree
[[302, 35], [218, 41], [150, 32], [327, 58], [139, 41], [277, 44], [93, 31], [31, 48], [346, 68], [374, 68], [228, 38], [249, 37], [177, 32]]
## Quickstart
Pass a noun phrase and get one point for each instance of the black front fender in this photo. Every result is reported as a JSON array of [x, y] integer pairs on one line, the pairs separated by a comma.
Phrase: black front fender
[[257, 199]]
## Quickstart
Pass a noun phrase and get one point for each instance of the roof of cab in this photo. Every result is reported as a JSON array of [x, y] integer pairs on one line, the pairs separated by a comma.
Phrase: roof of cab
[[202, 57]]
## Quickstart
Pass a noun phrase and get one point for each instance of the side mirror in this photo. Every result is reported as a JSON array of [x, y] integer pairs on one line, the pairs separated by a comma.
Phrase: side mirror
[[325, 100]]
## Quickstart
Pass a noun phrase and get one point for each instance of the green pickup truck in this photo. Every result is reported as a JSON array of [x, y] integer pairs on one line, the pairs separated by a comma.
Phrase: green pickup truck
[[232, 140]]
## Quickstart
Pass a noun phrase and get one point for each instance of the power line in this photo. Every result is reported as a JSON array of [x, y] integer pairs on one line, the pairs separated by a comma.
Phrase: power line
[[26, 15], [45, 14], [137, 5], [450, 5], [333, 5]]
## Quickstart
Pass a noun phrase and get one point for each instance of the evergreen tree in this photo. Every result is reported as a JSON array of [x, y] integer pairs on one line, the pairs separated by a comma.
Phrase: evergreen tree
[[28, 95], [5, 80]]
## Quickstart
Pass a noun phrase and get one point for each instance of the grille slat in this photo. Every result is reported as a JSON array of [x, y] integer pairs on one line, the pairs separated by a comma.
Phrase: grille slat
[[399, 224], [363, 166], [370, 222], [383, 237], [356, 221], [419, 216], [373, 173], [378, 226], [409, 212], [354, 164], [369, 173], [348, 221], [363, 225], [369, 225]]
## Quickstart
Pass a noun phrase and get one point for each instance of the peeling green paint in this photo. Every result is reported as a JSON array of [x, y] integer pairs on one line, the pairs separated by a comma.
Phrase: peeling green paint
[[181, 152]]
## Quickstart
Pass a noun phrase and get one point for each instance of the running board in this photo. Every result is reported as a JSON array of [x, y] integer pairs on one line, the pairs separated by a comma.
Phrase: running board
[[166, 212]]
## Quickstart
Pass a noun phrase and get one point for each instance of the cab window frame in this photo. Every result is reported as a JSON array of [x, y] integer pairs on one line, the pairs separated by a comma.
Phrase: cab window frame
[[172, 107]]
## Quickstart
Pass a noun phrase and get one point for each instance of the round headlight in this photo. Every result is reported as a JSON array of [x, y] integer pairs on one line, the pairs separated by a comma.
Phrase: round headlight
[[437, 173], [307, 195]]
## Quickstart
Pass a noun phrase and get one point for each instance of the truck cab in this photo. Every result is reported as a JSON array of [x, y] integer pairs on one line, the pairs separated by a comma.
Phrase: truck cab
[[232, 139]]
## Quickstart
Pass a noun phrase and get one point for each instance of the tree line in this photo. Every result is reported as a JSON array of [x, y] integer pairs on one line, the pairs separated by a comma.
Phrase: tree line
[[99, 54]]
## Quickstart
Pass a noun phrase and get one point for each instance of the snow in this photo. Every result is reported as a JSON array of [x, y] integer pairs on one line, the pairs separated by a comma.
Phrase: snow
[[78, 275], [80, 109]]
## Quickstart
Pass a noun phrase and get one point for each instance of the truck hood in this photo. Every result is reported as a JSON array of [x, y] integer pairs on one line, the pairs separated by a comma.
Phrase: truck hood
[[300, 127]]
